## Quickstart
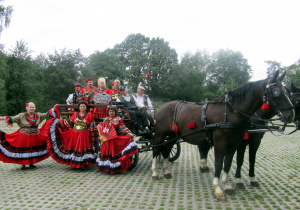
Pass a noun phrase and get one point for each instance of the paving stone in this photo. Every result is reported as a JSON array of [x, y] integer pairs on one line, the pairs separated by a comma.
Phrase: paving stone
[[55, 186]]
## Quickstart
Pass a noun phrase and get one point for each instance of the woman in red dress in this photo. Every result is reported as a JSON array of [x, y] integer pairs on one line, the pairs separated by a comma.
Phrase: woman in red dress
[[88, 92], [115, 154], [115, 91], [70, 142], [101, 89], [27, 145]]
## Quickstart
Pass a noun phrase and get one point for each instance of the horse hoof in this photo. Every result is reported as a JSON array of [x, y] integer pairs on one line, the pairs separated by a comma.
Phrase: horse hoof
[[255, 184], [203, 170], [229, 191], [155, 177], [168, 176], [220, 196], [240, 185]]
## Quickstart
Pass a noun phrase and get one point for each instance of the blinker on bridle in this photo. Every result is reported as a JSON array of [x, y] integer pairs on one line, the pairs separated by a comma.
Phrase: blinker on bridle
[[275, 92], [296, 101]]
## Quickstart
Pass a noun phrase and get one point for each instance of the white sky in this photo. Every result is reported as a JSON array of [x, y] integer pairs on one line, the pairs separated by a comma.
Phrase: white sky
[[260, 29]]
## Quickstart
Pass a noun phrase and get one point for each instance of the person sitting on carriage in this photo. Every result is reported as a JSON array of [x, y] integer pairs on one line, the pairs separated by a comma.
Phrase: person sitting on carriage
[[135, 109], [115, 92], [88, 92], [101, 89], [117, 144], [144, 99], [74, 97], [74, 146], [27, 145]]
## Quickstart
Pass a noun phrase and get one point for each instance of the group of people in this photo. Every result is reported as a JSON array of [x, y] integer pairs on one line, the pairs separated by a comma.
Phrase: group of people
[[74, 141], [138, 104]]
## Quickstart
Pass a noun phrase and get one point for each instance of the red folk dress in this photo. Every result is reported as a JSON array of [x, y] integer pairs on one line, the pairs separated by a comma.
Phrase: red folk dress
[[88, 93], [115, 154], [74, 146], [115, 93], [103, 110], [28, 144]]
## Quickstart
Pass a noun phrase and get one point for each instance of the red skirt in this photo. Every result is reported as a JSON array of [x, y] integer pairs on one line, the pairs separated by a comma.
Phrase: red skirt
[[71, 147], [24, 148], [104, 113], [115, 154]]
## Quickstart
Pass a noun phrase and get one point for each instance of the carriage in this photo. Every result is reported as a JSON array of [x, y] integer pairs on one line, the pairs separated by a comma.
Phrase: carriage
[[144, 141]]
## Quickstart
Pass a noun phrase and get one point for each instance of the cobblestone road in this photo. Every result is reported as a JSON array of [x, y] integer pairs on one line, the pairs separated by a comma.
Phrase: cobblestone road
[[55, 186]]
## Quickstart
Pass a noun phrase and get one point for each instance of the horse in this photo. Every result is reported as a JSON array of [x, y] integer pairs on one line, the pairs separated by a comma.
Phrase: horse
[[221, 123], [255, 138]]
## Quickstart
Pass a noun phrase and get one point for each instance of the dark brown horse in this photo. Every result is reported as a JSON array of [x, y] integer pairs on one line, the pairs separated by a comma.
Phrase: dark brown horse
[[231, 110], [255, 138]]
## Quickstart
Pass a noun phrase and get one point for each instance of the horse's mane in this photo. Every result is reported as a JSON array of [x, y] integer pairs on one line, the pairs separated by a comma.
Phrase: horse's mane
[[241, 93]]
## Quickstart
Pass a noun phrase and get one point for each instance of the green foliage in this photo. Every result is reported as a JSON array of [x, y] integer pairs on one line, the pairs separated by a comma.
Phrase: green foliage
[[5, 16], [104, 64], [293, 74], [61, 72], [142, 55], [48, 79]]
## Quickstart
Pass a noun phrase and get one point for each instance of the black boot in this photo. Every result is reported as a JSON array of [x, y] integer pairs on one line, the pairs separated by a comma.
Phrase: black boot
[[96, 146], [32, 166]]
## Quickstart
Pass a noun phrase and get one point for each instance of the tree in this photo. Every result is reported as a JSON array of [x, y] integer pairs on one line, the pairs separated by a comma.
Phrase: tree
[[5, 16], [105, 64], [273, 67], [3, 73], [142, 55], [63, 69], [227, 70], [293, 74]]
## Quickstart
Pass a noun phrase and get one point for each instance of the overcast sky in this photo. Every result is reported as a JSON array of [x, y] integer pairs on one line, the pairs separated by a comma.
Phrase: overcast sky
[[260, 29]]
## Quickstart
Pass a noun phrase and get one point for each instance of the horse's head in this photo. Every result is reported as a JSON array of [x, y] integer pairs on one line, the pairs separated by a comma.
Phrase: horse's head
[[276, 94], [295, 98]]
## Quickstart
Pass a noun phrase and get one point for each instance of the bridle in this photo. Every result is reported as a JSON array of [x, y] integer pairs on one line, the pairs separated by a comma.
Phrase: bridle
[[273, 93]]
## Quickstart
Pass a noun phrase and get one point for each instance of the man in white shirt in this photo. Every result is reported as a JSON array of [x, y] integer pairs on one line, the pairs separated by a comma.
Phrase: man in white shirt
[[135, 109], [73, 97], [145, 100]]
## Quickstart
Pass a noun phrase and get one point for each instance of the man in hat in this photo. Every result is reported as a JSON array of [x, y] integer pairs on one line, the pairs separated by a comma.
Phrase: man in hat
[[135, 109], [88, 92], [145, 100], [73, 97]]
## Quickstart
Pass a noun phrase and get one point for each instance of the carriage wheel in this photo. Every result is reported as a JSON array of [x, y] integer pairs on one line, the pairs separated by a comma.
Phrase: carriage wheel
[[175, 152], [135, 160]]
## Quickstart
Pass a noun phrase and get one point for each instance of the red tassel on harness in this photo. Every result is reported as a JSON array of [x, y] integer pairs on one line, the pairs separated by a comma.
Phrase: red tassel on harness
[[175, 128], [192, 125], [246, 136], [265, 106]]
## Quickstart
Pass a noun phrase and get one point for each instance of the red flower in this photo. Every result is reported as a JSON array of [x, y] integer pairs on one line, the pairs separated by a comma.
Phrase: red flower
[[26, 104], [148, 74]]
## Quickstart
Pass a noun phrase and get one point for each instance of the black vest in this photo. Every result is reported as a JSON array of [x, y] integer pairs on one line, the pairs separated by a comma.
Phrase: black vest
[[131, 103], [145, 98]]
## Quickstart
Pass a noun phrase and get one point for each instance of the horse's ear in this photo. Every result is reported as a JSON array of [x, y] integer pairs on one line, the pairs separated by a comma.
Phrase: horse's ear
[[294, 89], [274, 78], [281, 77]]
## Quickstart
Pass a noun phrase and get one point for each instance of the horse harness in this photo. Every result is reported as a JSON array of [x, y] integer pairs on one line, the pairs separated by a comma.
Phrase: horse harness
[[273, 93]]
